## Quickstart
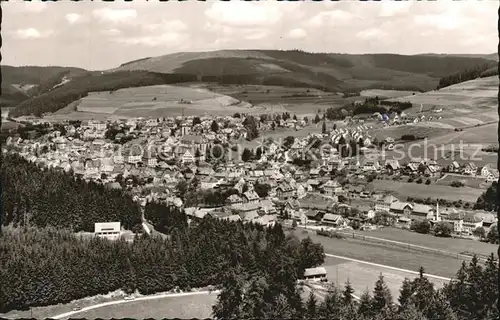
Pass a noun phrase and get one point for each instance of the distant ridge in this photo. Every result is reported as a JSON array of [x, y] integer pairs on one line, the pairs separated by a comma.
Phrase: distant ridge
[[331, 72]]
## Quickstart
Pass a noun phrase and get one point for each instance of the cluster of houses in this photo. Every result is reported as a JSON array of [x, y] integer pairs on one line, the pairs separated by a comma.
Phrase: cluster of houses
[[165, 152]]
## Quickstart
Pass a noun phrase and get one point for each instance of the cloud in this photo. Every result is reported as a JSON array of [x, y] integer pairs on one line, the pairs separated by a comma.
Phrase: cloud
[[296, 33], [30, 33], [115, 15], [393, 8], [330, 18], [168, 39], [24, 6], [73, 18], [112, 32], [257, 35], [370, 34], [166, 26], [244, 14], [439, 21]]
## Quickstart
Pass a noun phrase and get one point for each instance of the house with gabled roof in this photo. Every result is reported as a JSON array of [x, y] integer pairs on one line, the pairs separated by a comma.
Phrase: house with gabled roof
[[384, 204], [284, 191], [400, 208], [421, 212], [333, 188], [334, 220], [469, 169], [247, 211], [454, 167], [251, 196], [392, 165]]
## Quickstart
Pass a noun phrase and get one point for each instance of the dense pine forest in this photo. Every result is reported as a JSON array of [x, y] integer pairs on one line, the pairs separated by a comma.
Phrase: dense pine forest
[[271, 295], [35, 197], [472, 73], [46, 266]]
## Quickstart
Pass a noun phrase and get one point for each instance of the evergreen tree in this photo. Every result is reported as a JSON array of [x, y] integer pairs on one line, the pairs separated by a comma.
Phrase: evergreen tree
[[365, 305], [405, 292], [323, 128], [348, 292], [214, 126], [382, 297], [311, 306], [317, 119], [331, 307], [247, 155]]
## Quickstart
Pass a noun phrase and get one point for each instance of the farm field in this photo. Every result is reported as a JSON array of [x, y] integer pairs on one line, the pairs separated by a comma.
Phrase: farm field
[[486, 134], [297, 100], [396, 132], [433, 191], [183, 307], [398, 257], [155, 101], [469, 95], [473, 182], [386, 93], [447, 244]]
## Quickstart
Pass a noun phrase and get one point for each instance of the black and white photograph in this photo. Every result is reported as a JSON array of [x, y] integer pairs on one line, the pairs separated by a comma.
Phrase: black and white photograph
[[249, 159]]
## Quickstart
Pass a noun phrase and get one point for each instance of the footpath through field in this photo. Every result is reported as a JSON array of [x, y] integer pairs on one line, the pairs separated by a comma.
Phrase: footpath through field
[[145, 298]]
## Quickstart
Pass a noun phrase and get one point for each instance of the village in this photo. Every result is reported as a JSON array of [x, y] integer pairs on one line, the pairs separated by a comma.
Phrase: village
[[297, 181]]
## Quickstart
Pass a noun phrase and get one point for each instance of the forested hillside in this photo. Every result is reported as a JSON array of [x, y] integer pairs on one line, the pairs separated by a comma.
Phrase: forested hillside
[[482, 70], [288, 68], [79, 87], [20, 83], [44, 266], [52, 198]]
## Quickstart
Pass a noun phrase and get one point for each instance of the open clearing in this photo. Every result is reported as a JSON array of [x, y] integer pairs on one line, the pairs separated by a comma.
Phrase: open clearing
[[399, 257], [183, 307], [363, 276], [404, 189], [155, 101], [386, 93], [473, 182], [396, 132], [299, 101], [425, 240], [468, 95]]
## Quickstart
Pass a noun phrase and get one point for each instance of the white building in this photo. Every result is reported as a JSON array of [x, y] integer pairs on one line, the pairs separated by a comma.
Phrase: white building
[[108, 230]]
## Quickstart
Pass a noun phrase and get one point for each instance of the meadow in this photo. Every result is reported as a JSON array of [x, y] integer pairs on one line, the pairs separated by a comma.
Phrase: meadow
[[469, 95], [425, 240], [363, 277], [469, 181], [386, 93], [183, 307], [433, 191], [380, 253]]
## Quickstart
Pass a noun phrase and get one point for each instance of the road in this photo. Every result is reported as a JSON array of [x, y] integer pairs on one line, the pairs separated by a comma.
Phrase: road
[[110, 303]]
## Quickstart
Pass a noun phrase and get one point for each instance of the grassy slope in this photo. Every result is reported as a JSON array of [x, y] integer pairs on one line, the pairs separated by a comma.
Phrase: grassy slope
[[405, 189]]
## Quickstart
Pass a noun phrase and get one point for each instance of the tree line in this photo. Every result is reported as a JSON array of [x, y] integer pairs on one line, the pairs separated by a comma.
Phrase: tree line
[[369, 106], [79, 87], [50, 197], [472, 295], [466, 75], [45, 266]]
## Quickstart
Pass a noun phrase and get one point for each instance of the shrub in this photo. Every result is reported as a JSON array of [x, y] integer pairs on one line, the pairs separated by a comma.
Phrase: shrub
[[457, 184]]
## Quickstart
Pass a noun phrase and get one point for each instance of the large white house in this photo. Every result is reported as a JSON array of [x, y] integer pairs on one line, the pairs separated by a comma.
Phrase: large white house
[[108, 230]]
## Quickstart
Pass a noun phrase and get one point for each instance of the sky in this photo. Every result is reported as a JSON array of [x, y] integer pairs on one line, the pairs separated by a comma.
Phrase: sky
[[102, 35]]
